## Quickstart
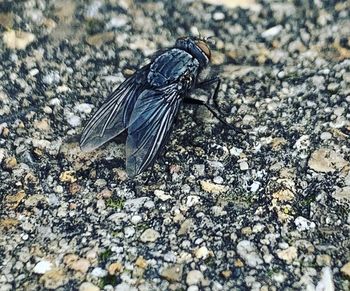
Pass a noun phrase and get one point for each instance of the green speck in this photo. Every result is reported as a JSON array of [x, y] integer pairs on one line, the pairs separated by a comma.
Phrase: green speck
[[115, 203]]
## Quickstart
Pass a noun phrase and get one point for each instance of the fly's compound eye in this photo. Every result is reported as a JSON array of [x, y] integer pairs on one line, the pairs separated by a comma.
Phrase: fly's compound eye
[[204, 47]]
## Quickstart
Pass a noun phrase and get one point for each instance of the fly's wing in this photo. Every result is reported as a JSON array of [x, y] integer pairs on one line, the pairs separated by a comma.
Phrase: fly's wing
[[149, 126], [112, 117]]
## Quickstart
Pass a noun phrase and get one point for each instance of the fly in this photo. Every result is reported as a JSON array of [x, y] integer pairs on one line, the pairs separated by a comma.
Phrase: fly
[[147, 103]]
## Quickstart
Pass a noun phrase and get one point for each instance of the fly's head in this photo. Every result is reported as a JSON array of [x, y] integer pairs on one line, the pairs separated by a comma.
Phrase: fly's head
[[197, 47]]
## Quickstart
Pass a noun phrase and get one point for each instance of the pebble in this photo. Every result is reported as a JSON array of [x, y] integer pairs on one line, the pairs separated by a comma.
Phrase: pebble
[[288, 255], [18, 40], [346, 269], [303, 224], [84, 108], [54, 279], [213, 188], [125, 287], [87, 286], [42, 267], [244, 166], [34, 200], [52, 77], [217, 16], [99, 272], [194, 277], [74, 120], [325, 161], [326, 283], [161, 195], [248, 252], [149, 235], [81, 265], [129, 231], [323, 260], [202, 253], [172, 273], [135, 204], [272, 32]]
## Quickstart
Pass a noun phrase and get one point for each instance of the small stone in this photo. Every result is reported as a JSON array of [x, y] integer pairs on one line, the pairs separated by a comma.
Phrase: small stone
[[115, 268], [52, 77], [129, 231], [18, 40], [194, 277], [135, 219], [135, 204], [325, 161], [226, 274], [125, 287], [326, 283], [12, 201], [323, 260], [213, 188], [248, 252], [161, 195], [70, 259], [42, 124], [203, 253], [100, 183], [74, 120], [99, 272], [53, 279], [68, 176], [185, 227], [149, 235], [8, 223], [81, 265], [42, 267], [34, 200], [84, 108], [10, 163], [6, 20], [149, 204], [346, 269], [172, 273], [246, 230], [333, 87], [303, 224], [100, 38], [218, 180], [342, 194], [288, 255], [272, 32], [244, 166], [217, 16], [141, 263], [87, 286]]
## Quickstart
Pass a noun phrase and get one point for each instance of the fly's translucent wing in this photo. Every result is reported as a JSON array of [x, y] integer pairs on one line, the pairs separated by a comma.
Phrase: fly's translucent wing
[[149, 126], [112, 117]]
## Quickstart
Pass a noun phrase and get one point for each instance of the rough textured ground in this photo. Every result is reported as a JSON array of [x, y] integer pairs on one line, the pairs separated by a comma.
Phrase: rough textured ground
[[264, 210]]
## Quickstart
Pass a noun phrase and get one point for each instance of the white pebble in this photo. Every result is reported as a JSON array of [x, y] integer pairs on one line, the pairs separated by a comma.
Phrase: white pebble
[[42, 267]]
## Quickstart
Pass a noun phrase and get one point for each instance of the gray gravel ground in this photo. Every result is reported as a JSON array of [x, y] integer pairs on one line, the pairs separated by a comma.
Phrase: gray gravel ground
[[264, 210]]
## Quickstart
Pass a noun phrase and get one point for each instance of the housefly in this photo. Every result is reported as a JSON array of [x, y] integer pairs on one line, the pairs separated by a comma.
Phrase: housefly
[[147, 103]]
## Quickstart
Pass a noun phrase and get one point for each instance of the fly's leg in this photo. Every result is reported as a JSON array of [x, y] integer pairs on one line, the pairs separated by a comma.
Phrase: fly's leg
[[209, 107], [208, 82]]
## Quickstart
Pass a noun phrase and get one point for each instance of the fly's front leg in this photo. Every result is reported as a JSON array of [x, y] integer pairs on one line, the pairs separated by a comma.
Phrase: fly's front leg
[[207, 83], [216, 114]]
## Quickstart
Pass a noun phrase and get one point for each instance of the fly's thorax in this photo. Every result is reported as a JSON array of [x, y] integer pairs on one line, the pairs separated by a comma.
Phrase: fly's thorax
[[198, 48], [171, 66]]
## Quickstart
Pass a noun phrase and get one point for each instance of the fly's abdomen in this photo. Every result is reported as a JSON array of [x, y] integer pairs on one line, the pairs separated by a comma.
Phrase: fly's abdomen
[[170, 66]]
